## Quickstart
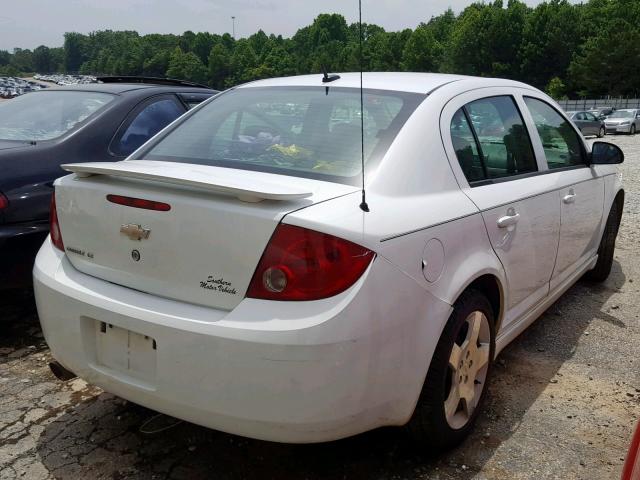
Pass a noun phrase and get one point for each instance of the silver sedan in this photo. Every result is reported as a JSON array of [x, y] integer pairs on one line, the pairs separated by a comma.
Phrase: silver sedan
[[623, 121]]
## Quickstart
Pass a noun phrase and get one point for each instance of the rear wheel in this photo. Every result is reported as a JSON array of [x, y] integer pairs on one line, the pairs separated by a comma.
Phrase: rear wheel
[[455, 386], [602, 132], [601, 271]]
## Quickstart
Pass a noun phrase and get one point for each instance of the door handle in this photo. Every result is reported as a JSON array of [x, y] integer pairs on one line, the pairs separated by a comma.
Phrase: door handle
[[570, 197], [508, 220]]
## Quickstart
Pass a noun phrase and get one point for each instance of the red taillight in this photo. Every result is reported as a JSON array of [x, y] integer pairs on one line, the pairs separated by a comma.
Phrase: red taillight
[[4, 202], [631, 470], [139, 203], [301, 264], [54, 226]]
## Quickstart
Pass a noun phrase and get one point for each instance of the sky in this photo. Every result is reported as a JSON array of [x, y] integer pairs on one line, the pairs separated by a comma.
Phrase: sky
[[29, 23]]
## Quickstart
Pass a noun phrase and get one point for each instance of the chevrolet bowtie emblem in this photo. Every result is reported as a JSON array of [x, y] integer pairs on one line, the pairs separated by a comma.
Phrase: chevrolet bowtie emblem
[[135, 232]]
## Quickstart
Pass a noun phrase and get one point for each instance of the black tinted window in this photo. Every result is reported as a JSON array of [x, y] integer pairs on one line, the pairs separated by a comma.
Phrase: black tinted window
[[561, 143], [149, 121], [502, 144]]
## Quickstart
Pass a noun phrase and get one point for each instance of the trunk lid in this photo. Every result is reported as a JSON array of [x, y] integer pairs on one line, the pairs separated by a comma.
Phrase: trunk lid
[[203, 250]]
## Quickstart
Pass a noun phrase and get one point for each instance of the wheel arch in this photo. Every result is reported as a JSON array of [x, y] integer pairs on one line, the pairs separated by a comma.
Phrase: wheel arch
[[491, 284]]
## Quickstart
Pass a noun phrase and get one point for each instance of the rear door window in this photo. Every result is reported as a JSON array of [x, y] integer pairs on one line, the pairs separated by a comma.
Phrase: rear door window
[[491, 140], [561, 143], [145, 122]]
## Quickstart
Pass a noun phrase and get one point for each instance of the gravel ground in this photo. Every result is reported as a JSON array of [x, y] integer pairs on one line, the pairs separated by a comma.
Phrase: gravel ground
[[562, 404]]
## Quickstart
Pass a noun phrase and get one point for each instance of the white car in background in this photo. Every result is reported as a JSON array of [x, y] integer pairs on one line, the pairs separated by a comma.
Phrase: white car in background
[[623, 121], [227, 275]]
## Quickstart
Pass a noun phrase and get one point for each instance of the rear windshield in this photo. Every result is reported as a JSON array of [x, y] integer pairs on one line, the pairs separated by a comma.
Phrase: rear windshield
[[47, 115], [301, 131]]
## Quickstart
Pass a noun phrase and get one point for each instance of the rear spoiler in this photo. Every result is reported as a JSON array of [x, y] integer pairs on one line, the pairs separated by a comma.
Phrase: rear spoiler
[[247, 186]]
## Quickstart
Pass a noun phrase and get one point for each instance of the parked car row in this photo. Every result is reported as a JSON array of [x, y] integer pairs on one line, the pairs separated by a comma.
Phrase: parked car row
[[235, 272], [61, 79], [618, 121], [11, 87]]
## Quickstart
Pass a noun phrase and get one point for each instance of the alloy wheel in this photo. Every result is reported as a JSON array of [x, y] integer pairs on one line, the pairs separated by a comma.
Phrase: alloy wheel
[[468, 366]]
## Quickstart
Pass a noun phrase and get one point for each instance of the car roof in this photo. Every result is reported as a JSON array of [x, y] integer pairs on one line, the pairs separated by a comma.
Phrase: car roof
[[118, 88], [396, 81]]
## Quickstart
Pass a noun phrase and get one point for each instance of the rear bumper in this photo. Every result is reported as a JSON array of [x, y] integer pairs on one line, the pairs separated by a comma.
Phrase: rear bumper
[[19, 245], [282, 371]]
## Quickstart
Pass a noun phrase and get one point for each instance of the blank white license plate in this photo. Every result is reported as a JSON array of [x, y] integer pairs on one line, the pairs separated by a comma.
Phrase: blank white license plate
[[125, 351]]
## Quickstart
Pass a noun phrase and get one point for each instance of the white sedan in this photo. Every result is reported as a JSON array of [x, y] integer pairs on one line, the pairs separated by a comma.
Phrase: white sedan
[[227, 273]]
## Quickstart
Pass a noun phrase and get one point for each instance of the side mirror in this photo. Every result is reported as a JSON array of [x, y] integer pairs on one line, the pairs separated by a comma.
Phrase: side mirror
[[604, 153]]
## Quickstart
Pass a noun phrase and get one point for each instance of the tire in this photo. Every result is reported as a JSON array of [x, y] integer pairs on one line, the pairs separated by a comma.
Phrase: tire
[[632, 130], [436, 423], [607, 247], [602, 132]]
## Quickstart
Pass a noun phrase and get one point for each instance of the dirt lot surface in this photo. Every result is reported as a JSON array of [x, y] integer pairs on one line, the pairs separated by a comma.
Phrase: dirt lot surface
[[562, 404]]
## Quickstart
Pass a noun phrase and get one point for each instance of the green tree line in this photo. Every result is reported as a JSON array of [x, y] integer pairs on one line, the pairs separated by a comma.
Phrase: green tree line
[[574, 50]]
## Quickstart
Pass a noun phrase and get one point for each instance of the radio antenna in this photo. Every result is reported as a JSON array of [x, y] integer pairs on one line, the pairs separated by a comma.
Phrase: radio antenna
[[363, 205]]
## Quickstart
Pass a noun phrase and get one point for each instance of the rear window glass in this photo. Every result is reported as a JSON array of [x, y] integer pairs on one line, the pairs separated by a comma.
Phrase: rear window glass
[[153, 118], [309, 132], [47, 115]]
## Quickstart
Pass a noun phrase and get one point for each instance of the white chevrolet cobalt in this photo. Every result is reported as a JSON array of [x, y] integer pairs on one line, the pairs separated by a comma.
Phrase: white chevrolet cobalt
[[229, 274]]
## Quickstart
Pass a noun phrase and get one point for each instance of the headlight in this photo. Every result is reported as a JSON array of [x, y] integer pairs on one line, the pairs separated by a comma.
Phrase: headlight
[[628, 122]]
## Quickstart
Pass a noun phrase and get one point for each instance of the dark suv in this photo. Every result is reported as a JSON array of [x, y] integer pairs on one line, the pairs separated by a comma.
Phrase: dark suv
[[104, 121]]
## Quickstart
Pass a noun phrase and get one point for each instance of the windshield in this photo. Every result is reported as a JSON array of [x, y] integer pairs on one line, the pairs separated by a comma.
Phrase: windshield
[[621, 114], [47, 115], [301, 131]]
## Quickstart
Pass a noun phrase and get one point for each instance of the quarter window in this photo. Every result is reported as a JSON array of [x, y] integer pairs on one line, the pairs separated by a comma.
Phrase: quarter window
[[491, 141], [562, 146], [466, 148], [149, 121]]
